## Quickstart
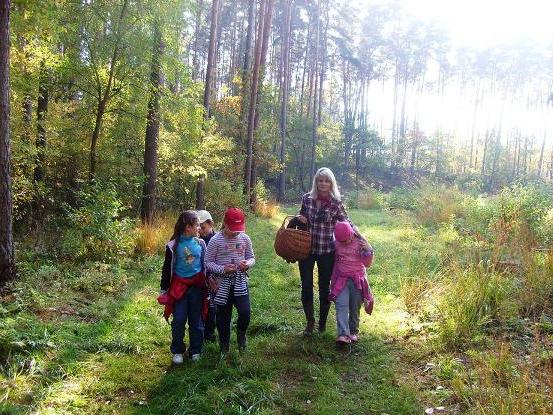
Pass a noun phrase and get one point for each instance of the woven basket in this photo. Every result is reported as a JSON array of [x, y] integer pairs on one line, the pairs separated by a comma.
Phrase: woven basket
[[292, 244]]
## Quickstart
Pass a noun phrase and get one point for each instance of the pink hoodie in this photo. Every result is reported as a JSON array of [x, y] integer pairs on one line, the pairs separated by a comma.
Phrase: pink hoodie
[[350, 262]]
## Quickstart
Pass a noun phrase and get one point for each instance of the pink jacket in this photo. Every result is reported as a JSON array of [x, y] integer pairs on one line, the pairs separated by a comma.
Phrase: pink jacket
[[350, 263]]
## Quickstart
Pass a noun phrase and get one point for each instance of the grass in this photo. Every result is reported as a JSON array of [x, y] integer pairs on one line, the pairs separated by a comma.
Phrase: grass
[[89, 338]]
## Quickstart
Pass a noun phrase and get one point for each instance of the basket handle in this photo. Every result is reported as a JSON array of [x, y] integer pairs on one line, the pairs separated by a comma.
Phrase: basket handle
[[284, 221]]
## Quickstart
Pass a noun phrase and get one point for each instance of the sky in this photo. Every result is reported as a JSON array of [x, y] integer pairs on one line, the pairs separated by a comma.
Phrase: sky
[[478, 24], [484, 23]]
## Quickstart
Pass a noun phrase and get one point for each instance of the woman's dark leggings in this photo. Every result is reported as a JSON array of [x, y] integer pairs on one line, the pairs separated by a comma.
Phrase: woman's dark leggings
[[224, 316], [325, 263]]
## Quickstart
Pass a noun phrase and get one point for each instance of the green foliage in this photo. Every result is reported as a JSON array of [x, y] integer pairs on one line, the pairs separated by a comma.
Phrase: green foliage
[[95, 228], [369, 198]]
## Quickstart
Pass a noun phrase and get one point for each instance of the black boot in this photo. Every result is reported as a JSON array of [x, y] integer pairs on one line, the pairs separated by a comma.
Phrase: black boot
[[241, 336], [310, 317], [323, 314]]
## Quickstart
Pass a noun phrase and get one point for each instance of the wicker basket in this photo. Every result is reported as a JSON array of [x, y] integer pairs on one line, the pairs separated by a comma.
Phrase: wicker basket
[[292, 244]]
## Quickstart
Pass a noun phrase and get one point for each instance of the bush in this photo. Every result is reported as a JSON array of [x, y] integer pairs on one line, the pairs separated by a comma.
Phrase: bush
[[95, 229], [369, 198], [402, 198], [223, 194], [472, 300]]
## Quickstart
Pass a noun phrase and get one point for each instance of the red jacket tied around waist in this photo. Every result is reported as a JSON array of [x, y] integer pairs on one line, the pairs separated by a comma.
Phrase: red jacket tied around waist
[[178, 289]]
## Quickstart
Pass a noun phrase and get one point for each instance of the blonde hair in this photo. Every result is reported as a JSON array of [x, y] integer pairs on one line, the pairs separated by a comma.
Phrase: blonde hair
[[325, 172]]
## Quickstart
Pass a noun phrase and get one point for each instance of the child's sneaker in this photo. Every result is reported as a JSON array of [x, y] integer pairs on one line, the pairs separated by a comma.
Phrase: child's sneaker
[[343, 340], [178, 359], [195, 357], [354, 338]]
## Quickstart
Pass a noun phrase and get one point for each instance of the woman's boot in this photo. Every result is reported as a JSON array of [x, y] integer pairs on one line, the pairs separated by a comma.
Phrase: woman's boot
[[325, 307], [310, 317]]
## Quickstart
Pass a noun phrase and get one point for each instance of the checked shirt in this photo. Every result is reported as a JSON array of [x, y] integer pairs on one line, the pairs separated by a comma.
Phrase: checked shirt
[[321, 222]]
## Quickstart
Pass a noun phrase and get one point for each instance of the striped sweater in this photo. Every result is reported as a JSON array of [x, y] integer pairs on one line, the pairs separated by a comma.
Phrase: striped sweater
[[223, 251]]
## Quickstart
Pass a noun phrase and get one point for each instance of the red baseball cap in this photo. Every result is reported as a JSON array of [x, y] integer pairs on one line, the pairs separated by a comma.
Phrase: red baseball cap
[[235, 220]]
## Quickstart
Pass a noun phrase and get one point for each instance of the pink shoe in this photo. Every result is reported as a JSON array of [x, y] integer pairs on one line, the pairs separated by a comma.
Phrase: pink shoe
[[343, 340], [354, 338]]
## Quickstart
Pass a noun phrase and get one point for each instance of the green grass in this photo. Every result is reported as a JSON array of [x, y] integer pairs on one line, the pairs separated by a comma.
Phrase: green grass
[[91, 339]]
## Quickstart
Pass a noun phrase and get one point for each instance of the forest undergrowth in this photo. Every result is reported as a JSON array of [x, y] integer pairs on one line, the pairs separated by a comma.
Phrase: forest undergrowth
[[463, 322]]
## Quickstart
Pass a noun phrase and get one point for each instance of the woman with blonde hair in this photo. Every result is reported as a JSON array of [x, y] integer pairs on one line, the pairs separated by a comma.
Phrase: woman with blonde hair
[[321, 209]]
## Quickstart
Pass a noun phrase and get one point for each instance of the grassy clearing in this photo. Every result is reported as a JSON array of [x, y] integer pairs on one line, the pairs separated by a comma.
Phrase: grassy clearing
[[91, 339], [450, 329]]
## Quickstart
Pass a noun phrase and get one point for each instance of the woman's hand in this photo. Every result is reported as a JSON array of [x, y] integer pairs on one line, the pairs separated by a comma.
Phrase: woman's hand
[[230, 268], [302, 219], [243, 265]]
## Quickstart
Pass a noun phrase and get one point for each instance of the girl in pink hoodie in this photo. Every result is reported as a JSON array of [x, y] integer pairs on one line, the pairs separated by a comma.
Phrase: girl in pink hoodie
[[349, 286]]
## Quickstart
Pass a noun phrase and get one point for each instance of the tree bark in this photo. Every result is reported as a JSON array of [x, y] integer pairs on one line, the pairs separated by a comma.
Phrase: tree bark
[[264, 48], [253, 101], [7, 257], [315, 72], [284, 103], [246, 75], [200, 185], [152, 130]]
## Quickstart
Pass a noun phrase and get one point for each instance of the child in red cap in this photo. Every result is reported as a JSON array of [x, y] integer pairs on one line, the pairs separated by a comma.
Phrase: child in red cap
[[229, 255], [349, 286]]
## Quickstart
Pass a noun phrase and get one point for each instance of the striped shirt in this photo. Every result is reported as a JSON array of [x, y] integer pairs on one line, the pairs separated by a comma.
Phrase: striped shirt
[[321, 222], [223, 251]]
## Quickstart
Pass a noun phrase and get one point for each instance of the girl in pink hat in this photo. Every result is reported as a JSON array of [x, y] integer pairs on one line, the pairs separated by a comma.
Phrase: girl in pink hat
[[349, 286]]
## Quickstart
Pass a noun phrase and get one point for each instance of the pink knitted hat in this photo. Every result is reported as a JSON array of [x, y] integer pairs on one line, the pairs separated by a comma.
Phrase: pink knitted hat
[[343, 231]]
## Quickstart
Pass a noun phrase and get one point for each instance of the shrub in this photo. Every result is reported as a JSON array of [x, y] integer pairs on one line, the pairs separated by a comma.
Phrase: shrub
[[369, 198], [402, 198], [96, 229]]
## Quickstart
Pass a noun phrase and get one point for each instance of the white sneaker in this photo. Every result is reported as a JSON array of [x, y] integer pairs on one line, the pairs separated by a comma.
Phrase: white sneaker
[[195, 357], [178, 359]]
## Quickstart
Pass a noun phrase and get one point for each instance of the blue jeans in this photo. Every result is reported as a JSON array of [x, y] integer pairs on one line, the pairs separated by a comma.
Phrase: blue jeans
[[348, 305], [188, 308]]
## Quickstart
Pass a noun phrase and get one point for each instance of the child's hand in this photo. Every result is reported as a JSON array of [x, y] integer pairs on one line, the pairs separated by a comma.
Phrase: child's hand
[[213, 284], [230, 268], [243, 265]]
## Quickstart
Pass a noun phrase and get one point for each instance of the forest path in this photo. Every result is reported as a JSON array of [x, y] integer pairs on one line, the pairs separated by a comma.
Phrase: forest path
[[120, 362]]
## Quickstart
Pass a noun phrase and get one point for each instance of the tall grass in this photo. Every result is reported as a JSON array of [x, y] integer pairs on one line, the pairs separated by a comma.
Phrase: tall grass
[[150, 239], [500, 383], [471, 300]]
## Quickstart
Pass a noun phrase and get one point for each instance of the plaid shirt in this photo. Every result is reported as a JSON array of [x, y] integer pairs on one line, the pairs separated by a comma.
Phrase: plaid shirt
[[321, 222]]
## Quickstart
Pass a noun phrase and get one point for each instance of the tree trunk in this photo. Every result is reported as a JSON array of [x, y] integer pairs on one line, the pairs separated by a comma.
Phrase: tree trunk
[[7, 257], [197, 30], [42, 109], [264, 48], [103, 100], [284, 103], [200, 185], [253, 101], [305, 66], [152, 130], [540, 162], [315, 72], [246, 75]]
